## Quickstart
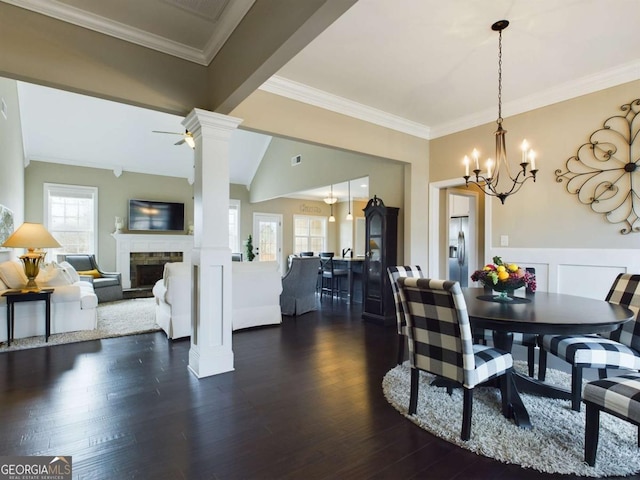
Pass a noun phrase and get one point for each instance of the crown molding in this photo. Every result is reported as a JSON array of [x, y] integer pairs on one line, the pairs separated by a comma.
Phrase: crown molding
[[99, 24], [627, 72], [318, 98]]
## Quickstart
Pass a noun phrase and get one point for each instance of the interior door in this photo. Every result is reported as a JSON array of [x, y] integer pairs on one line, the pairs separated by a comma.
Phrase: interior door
[[267, 237]]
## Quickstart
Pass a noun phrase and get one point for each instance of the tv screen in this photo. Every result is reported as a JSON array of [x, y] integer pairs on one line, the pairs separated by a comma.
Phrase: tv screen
[[156, 215]]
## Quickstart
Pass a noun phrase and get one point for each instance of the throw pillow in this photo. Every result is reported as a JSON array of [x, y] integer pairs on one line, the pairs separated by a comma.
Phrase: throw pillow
[[69, 270], [53, 275], [90, 273], [12, 274]]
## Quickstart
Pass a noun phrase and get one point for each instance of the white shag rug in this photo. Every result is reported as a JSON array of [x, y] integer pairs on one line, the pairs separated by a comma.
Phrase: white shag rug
[[555, 444], [115, 319]]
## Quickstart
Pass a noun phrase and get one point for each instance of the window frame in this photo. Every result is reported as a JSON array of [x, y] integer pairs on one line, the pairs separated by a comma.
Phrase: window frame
[[325, 230], [84, 190], [236, 205]]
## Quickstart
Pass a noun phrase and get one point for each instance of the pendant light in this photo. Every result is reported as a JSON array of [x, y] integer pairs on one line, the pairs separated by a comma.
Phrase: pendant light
[[331, 200], [349, 216]]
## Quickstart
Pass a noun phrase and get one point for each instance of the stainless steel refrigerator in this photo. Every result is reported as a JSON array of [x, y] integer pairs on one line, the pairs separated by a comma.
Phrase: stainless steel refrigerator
[[458, 250]]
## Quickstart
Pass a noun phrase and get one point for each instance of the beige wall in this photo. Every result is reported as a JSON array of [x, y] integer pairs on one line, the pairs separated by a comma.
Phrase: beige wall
[[544, 214], [113, 196], [11, 154]]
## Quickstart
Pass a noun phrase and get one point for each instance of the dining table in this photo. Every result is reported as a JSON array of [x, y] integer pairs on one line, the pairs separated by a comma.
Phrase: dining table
[[540, 313]]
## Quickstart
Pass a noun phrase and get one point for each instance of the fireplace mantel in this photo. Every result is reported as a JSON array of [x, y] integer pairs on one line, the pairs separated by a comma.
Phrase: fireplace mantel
[[127, 243]]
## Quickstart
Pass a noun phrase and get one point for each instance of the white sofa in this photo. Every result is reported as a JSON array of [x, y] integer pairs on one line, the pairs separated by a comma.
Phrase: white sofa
[[73, 302], [256, 294], [256, 290]]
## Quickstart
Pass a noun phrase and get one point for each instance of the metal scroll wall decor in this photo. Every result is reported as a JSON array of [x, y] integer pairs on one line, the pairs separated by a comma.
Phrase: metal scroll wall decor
[[605, 172]]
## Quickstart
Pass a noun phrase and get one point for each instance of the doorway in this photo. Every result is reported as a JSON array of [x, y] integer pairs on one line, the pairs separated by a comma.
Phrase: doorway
[[479, 214], [267, 237], [461, 235]]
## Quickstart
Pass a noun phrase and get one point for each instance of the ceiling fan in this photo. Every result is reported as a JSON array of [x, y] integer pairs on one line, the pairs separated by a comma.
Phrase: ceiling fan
[[187, 137]]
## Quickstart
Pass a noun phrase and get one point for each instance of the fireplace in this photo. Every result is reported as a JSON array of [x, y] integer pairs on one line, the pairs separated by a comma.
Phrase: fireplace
[[146, 268], [148, 249]]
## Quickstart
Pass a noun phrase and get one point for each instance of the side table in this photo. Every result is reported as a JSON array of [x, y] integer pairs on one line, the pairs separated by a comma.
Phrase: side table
[[15, 296]]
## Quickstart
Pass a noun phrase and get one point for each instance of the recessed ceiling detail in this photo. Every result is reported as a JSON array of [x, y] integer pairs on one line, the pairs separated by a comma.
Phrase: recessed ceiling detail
[[209, 9]]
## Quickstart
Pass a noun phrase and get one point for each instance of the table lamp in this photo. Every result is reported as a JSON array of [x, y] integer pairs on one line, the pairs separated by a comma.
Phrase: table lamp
[[31, 236]]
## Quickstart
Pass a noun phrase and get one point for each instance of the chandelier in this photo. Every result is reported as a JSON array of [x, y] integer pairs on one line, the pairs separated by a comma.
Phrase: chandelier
[[489, 182], [330, 200]]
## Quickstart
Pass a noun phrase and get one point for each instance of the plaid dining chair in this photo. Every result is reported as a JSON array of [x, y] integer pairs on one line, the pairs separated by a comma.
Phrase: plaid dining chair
[[619, 349], [440, 342], [395, 273]]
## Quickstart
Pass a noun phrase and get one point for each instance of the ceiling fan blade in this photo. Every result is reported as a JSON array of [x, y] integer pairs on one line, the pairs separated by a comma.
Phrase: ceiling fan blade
[[170, 133], [179, 142]]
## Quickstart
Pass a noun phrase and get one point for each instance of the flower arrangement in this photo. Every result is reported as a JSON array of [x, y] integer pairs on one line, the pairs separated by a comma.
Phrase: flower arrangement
[[502, 277]]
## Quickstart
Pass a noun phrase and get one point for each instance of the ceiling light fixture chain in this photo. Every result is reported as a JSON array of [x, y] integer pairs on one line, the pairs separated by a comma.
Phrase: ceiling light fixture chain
[[488, 183]]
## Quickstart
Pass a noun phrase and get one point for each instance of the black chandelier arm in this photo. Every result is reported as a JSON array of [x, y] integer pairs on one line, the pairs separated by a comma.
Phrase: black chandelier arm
[[488, 185]]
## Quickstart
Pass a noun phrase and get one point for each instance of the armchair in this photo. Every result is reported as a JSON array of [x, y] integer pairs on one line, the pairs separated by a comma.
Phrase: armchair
[[107, 285], [299, 286]]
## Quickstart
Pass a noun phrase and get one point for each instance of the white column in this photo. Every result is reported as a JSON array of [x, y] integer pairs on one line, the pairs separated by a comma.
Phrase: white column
[[211, 350]]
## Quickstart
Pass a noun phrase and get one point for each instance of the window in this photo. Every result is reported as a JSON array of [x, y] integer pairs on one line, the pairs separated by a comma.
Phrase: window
[[309, 233], [234, 226], [71, 217]]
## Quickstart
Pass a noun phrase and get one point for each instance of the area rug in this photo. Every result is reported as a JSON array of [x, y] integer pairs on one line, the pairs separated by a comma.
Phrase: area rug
[[555, 444], [115, 319]]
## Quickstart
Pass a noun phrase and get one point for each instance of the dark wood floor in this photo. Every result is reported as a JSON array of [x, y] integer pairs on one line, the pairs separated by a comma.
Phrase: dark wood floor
[[305, 401]]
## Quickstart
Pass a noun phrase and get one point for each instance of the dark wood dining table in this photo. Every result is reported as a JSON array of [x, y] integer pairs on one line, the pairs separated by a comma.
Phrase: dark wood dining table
[[539, 313]]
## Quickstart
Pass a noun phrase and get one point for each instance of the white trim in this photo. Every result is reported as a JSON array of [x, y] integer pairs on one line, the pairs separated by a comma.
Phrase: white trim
[[230, 19], [318, 98]]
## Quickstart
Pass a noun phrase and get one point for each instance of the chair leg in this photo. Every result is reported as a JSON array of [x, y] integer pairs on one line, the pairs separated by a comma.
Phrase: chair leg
[[467, 408], [400, 349], [531, 359], [413, 397], [542, 365], [576, 388], [592, 430], [602, 373]]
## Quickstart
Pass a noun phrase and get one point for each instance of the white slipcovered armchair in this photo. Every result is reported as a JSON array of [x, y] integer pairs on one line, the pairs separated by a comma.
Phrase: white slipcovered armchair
[[172, 294]]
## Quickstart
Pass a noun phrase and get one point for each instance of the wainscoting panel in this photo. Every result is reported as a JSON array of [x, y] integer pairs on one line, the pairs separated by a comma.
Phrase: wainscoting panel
[[586, 280]]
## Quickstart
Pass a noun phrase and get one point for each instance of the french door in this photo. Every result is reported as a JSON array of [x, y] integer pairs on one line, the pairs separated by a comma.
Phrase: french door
[[267, 237]]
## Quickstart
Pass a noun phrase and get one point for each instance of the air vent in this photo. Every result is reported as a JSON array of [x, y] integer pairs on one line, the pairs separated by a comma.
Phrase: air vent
[[297, 160]]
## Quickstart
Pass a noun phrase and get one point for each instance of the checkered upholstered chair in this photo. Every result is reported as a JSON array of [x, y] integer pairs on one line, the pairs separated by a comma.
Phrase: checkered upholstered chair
[[440, 342], [395, 273], [618, 396], [617, 349]]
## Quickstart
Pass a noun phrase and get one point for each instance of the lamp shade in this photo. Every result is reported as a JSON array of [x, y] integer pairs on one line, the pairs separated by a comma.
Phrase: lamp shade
[[31, 236]]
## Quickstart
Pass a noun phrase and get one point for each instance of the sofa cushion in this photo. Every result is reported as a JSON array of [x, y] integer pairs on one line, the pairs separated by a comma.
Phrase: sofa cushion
[[105, 282], [12, 274]]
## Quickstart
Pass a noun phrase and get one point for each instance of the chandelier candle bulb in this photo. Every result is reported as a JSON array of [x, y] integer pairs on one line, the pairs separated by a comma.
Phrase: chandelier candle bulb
[[475, 156], [525, 150], [532, 158], [489, 166], [466, 166]]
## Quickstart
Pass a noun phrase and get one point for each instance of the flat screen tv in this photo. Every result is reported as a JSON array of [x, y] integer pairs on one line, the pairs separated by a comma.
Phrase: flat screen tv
[[156, 215]]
